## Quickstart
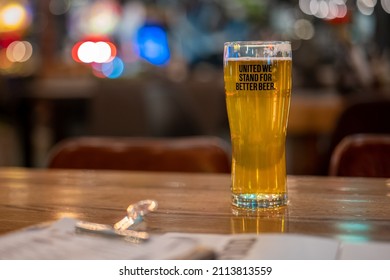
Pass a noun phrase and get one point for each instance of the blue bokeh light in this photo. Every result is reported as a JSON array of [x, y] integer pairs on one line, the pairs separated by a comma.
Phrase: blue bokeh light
[[113, 69], [153, 46]]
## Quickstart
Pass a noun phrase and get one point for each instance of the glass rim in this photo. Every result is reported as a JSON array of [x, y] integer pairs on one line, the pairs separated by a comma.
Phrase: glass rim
[[257, 43]]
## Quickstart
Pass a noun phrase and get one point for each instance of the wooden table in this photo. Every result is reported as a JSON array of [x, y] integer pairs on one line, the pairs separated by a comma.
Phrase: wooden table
[[353, 209]]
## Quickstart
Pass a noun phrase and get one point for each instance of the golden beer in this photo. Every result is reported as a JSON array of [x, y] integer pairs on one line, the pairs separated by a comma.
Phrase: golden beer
[[258, 92]]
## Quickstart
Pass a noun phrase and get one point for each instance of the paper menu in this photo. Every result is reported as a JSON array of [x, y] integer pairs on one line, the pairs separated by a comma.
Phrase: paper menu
[[365, 251], [288, 247], [60, 241], [267, 246]]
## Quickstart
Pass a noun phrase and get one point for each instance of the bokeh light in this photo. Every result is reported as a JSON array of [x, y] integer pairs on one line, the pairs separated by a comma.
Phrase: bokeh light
[[93, 18], [59, 7], [112, 70], [324, 9], [102, 17], [366, 7], [98, 52], [17, 59], [19, 51], [153, 45], [386, 5], [87, 52], [14, 17], [304, 29], [101, 56]]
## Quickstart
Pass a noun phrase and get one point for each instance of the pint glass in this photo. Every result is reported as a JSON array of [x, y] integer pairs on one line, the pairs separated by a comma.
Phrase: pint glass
[[257, 77]]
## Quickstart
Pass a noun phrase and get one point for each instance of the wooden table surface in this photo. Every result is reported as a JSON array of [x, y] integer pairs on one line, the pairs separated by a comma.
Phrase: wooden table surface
[[353, 209]]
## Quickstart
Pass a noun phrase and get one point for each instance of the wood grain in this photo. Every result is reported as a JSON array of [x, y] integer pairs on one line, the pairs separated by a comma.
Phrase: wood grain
[[354, 209]]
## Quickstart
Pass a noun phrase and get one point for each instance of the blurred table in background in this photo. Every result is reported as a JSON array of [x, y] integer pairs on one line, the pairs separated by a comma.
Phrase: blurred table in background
[[313, 117], [157, 107], [314, 112]]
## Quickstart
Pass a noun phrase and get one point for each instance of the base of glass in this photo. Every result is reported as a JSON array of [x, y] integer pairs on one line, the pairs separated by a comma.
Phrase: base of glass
[[259, 201]]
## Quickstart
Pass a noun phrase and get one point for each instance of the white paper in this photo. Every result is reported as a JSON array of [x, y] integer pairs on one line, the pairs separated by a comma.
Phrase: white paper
[[288, 247], [365, 251], [59, 241], [268, 246]]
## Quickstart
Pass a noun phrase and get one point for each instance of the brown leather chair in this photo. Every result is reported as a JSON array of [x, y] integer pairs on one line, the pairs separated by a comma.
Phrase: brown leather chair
[[368, 117], [362, 155], [360, 117], [190, 154]]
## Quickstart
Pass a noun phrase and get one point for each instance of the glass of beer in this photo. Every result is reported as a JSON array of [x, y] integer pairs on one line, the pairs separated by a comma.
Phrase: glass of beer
[[257, 77]]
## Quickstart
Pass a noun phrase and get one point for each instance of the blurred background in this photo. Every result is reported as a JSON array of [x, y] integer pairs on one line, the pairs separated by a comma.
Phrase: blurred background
[[154, 68]]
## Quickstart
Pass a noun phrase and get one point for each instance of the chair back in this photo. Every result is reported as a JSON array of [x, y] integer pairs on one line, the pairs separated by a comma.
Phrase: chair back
[[361, 117], [190, 154], [362, 155], [369, 117]]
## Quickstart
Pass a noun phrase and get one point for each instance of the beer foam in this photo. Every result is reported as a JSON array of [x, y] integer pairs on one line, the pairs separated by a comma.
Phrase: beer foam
[[274, 50], [283, 48], [263, 58]]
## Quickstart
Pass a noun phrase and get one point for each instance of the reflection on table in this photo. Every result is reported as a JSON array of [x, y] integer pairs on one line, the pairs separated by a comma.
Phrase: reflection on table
[[356, 209]]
